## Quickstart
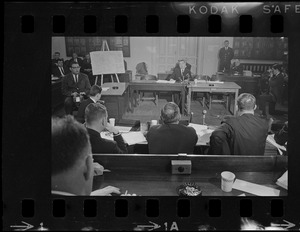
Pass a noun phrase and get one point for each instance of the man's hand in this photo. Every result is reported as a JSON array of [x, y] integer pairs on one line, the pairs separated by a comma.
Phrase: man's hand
[[98, 169], [112, 129], [74, 94], [107, 191], [82, 93]]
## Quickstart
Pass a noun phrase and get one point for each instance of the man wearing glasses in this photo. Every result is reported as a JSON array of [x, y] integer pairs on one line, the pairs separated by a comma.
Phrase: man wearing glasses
[[74, 85]]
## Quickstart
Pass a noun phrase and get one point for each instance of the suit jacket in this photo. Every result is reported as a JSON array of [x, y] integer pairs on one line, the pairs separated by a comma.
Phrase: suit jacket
[[80, 117], [79, 61], [69, 86], [171, 139], [105, 146], [56, 72], [86, 65], [226, 56], [176, 75], [242, 135], [276, 87]]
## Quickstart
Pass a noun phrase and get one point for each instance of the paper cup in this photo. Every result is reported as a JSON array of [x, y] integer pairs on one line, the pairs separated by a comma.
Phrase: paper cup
[[112, 121], [144, 127], [153, 122], [227, 179]]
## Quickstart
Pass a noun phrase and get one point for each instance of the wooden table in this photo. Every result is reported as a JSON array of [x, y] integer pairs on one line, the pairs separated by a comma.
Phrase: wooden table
[[226, 87], [140, 85], [150, 175], [248, 84]]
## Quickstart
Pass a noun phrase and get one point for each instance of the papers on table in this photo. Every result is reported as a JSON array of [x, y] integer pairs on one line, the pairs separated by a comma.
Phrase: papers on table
[[215, 82], [105, 89], [198, 128], [203, 133], [123, 129], [283, 181], [255, 189], [242, 195], [271, 140], [165, 81], [134, 137]]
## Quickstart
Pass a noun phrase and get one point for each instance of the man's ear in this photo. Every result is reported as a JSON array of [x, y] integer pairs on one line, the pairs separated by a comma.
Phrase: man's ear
[[255, 107], [88, 168]]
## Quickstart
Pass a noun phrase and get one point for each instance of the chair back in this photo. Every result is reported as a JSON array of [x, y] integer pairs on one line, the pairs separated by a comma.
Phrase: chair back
[[141, 69]]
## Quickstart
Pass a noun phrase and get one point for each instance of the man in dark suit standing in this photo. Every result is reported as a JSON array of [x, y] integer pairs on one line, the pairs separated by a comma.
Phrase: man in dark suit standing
[[225, 56], [96, 122], [95, 95], [171, 137], [60, 69], [244, 134], [181, 72], [73, 85]]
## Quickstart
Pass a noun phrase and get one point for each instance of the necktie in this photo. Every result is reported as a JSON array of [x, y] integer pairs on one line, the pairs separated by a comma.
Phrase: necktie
[[61, 71], [181, 72]]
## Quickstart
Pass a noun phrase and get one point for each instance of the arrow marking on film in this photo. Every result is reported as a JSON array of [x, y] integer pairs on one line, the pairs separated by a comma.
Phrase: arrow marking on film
[[23, 227], [288, 225], [154, 226]]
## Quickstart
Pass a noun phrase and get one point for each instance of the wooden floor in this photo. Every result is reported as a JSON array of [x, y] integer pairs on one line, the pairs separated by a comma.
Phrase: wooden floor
[[147, 110]]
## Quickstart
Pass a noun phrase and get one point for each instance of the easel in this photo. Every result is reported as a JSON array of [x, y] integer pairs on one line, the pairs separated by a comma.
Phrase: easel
[[103, 47]]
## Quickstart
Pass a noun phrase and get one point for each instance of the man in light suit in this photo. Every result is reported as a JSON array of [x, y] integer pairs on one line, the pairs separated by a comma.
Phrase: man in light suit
[[73, 84], [225, 56]]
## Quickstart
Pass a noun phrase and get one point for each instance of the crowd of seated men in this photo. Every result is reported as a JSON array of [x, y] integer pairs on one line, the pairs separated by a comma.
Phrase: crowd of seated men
[[73, 143]]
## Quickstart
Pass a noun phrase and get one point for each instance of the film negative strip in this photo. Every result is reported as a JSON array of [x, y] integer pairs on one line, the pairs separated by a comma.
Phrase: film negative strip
[[138, 191]]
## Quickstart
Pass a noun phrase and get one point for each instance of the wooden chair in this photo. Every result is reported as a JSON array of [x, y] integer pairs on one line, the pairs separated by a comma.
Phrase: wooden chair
[[204, 96], [141, 94]]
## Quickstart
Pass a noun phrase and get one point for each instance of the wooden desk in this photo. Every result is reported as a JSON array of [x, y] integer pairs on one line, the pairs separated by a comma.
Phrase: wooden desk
[[248, 84], [157, 87], [116, 99], [150, 175], [226, 87]]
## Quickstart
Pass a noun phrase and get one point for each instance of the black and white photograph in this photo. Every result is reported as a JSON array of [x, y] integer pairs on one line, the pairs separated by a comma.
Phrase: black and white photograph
[[170, 116]]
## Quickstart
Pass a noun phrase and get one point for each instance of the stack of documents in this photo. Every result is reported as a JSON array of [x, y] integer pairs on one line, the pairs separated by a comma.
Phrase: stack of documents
[[165, 81], [134, 137], [283, 181], [123, 129], [203, 132], [255, 189]]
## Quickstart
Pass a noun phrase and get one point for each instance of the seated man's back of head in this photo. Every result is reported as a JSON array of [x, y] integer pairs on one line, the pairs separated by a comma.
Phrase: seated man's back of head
[[72, 163], [242, 135], [171, 137]]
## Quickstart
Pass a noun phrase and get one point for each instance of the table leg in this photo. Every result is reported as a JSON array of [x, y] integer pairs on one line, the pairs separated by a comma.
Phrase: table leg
[[183, 100], [189, 101]]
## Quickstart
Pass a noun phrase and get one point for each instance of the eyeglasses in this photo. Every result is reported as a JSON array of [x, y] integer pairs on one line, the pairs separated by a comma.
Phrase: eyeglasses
[[76, 67]]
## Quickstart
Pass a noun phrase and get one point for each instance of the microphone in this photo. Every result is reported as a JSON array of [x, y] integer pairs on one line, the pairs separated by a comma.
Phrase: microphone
[[203, 118]]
